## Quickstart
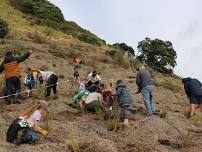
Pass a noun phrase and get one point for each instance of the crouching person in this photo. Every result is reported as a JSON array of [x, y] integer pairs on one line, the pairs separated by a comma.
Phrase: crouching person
[[94, 101], [51, 80], [29, 124], [125, 100], [78, 100]]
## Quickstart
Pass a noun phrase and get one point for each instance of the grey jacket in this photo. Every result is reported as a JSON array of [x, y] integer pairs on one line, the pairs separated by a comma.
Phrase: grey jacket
[[143, 79], [123, 95]]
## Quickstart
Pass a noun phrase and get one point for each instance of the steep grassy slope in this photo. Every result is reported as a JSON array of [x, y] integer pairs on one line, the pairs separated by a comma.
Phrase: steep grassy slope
[[69, 131]]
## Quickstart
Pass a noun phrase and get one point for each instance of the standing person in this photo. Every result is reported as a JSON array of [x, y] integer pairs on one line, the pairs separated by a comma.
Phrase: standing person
[[51, 80], [145, 84], [76, 69], [12, 73], [30, 124], [193, 89], [125, 100]]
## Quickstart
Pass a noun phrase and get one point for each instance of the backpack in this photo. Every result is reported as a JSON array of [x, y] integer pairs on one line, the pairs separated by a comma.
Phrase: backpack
[[16, 126]]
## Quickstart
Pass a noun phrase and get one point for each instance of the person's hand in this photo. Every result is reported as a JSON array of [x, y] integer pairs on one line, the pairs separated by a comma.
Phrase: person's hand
[[44, 133]]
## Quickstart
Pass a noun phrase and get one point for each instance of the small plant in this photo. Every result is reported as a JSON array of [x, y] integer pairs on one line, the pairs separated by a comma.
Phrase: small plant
[[50, 116], [72, 134], [3, 28], [61, 76], [164, 111], [112, 123]]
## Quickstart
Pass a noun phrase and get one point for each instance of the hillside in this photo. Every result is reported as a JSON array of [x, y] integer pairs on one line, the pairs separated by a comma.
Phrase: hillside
[[69, 131]]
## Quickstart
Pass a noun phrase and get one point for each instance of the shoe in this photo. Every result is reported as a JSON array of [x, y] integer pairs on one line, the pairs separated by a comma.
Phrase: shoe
[[72, 105]]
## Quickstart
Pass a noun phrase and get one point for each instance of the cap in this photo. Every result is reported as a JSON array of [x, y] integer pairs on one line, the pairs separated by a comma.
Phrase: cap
[[43, 104]]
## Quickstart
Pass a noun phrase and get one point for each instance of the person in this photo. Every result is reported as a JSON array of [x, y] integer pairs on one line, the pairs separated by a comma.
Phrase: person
[[78, 99], [145, 86], [30, 124], [93, 79], [193, 90], [76, 69], [108, 96], [51, 80], [12, 73], [94, 101], [125, 100], [29, 81]]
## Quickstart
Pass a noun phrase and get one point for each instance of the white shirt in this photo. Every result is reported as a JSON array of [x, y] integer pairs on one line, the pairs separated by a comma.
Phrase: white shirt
[[46, 74], [93, 97], [36, 116], [94, 79]]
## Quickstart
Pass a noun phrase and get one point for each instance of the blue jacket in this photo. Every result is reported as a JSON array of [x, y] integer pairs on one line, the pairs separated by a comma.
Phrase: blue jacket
[[143, 79], [123, 95], [192, 87]]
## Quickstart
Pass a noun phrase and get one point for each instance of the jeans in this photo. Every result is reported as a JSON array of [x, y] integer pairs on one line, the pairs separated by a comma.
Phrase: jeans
[[147, 96], [31, 136], [13, 83]]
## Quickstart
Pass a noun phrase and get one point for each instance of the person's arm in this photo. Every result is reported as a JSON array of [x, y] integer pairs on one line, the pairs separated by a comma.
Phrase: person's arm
[[138, 81], [38, 129], [1, 68], [187, 91], [23, 57], [118, 91]]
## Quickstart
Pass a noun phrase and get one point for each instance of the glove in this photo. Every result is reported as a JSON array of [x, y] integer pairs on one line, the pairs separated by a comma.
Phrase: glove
[[43, 132]]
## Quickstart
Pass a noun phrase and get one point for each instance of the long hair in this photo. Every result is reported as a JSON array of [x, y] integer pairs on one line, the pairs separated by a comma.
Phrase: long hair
[[32, 110]]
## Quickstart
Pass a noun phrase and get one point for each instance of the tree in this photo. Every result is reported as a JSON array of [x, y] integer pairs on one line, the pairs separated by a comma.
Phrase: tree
[[158, 54], [3, 28], [125, 48]]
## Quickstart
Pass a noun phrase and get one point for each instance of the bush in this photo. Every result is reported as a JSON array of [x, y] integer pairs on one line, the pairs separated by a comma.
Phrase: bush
[[89, 39], [42, 9], [3, 28]]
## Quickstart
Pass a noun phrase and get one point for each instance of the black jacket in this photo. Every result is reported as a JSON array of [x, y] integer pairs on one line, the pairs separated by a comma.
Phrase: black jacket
[[192, 87]]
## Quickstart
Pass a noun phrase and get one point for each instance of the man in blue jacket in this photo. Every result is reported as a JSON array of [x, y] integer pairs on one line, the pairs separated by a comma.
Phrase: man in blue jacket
[[193, 89]]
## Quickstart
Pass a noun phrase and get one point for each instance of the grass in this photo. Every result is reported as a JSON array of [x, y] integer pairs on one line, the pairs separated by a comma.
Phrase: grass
[[56, 53], [50, 116], [3, 129], [73, 138]]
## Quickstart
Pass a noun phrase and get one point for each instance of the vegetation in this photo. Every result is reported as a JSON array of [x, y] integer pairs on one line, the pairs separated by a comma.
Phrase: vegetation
[[45, 13], [158, 54], [124, 48], [3, 28]]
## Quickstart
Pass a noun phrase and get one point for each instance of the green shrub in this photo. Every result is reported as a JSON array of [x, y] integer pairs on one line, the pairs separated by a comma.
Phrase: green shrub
[[3, 28], [89, 39], [45, 13], [42, 9]]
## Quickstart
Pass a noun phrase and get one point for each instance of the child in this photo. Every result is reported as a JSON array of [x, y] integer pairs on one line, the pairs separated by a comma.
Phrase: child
[[125, 100], [108, 96], [29, 81], [29, 123]]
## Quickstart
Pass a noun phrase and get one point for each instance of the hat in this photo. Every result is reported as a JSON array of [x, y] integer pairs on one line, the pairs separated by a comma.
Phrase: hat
[[43, 104]]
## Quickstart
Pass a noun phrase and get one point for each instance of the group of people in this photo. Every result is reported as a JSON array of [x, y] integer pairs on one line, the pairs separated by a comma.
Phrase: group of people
[[93, 95], [11, 66]]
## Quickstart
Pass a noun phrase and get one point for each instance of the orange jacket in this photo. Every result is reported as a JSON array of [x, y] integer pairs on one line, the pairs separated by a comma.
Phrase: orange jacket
[[12, 69]]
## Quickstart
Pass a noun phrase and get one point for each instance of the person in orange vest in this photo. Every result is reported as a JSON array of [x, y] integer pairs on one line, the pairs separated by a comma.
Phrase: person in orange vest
[[12, 73]]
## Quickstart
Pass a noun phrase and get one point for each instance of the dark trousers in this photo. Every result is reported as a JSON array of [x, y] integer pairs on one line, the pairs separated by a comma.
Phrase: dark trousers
[[52, 84], [13, 86]]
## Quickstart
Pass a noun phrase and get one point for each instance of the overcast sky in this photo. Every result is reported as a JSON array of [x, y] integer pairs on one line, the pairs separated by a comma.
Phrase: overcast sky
[[130, 21]]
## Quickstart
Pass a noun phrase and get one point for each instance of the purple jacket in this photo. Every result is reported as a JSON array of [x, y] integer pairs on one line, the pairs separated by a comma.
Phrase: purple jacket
[[143, 79]]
